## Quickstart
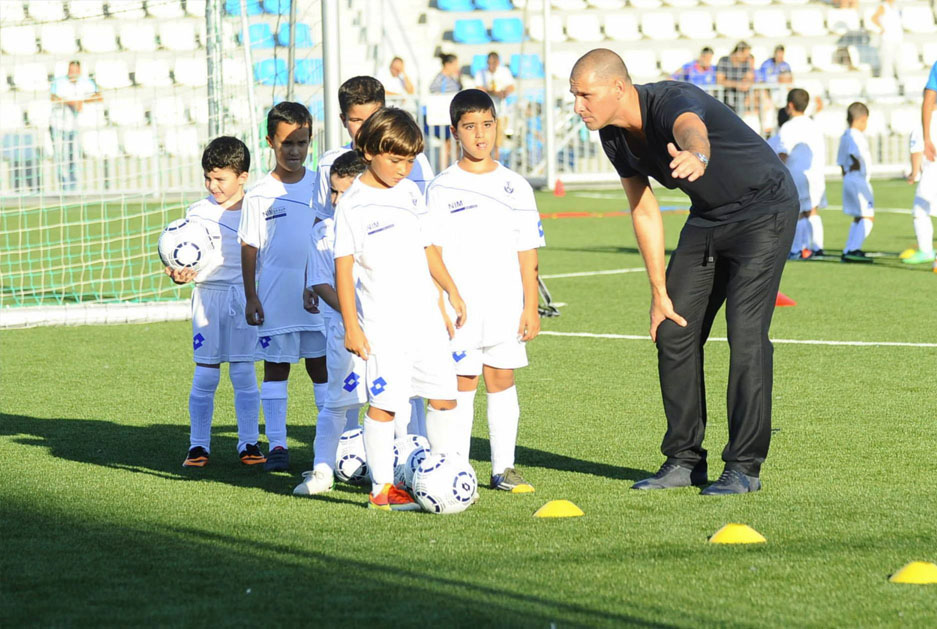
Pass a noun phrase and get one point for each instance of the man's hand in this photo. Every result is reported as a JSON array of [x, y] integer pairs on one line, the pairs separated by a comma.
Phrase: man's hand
[[357, 343], [661, 310], [253, 311], [855, 165], [685, 165], [310, 301], [181, 276], [459, 306], [930, 152], [529, 327]]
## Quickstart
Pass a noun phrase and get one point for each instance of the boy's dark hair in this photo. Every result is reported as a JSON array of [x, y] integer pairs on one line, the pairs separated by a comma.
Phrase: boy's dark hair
[[348, 164], [783, 116], [226, 152], [360, 90], [389, 130], [799, 98], [290, 113], [468, 102], [856, 110], [706, 50], [446, 57]]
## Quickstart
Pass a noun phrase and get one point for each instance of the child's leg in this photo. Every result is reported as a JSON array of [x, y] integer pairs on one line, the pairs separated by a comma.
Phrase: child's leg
[[463, 417], [859, 230], [351, 419], [402, 420], [329, 426], [379, 447], [923, 231], [440, 420], [816, 230], [503, 417], [273, 397], [246, 402], [202, 404], [802, 234], [417, 425], [319, 374]]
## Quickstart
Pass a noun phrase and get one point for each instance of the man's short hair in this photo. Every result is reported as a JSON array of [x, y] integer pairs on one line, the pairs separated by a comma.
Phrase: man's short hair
[[742, 45], [706, 51], [360, 90], [348, 164], [494, 54], [468, 102], [74, 62], [856, 110], [290, 113], [389, 130], [396, 59], [226, 152], [799, 98], [779, 48]]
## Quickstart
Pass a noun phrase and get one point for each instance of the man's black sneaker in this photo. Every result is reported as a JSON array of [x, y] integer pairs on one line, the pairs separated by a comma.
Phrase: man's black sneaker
[[733, 482], [671, 475], [856, 256], [278, 460]]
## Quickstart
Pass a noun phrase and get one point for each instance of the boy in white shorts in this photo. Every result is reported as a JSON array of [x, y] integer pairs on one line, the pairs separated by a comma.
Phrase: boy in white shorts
[[346, 393], [490, 231], [924, 173], [385, 268], [219, 332], [858, 201], [274, 234]]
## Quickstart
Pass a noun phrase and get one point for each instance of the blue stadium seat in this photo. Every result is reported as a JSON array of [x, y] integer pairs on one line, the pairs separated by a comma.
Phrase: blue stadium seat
[[455, 5], [479, 63], [535, 95], [271, 72], [303, 35], [470, 32], [233, 7], [494, 5], [308, 71], [527, 66], [277, 7], [509, 30], [317, 108], [260, 36]]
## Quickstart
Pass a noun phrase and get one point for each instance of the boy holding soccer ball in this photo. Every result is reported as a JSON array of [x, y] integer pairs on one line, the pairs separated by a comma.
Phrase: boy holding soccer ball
[[219, 332], [385, 267], [489, 230]]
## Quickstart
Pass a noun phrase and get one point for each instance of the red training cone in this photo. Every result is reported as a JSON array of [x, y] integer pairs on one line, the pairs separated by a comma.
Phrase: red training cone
[[784, 300], [559, 190]]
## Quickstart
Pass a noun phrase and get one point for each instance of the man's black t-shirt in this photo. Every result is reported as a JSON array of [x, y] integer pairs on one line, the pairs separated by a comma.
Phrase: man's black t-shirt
[[744, 178]]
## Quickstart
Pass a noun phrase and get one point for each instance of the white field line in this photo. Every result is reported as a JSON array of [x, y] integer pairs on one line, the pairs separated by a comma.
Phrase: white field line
[[589, 273], [638, 337]]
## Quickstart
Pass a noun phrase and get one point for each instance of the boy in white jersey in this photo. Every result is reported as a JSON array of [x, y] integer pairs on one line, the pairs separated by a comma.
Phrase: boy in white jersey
[[490, 231], [385, 266], [219, 332], [274, 234], [924, 173], [803, 150], [346, 395], [853, 159]]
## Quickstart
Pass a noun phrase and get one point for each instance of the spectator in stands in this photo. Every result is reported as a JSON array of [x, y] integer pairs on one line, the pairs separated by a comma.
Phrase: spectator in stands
[[736, 74], [774, 73], [698, 72], [498, 82], [395, 80], [69, 93], [887, 18], [775, 69], [446, 82]]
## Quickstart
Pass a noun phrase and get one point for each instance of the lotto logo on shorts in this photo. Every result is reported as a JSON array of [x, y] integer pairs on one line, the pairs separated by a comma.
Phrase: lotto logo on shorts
[[457, 356], [351, 382], [540, 228], [265, 341], [198, 340], [378, 387]]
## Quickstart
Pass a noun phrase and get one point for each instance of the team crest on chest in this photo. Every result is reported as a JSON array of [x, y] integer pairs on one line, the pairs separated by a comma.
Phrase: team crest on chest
[[508, 187]]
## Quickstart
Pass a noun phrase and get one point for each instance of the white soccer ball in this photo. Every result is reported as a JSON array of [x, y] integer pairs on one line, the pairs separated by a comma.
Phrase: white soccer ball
[[404, 473], [351, 464], [185, 244], [444, 484]]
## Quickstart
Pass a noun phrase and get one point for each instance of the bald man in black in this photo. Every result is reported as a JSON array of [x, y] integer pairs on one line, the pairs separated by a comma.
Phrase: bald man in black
[[731, 251]]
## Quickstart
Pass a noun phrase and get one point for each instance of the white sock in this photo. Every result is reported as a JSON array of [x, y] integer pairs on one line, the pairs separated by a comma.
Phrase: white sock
[[851, 238], [351, 419], [402, 421], [503, 415], [924, 230], [273, 398], [202, 405], [800, 235], [321, 391], [328, 430], [816, 231], [417, 424], [865, 228], [441, 431], [379, 450], [463, 417], [246, 402]]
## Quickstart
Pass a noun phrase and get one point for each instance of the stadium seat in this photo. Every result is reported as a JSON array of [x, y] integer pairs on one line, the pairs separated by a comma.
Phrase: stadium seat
[[233, 7], [277, 7], [4, 83], [198, 110], [91, 116], [719, 3], [756, 3], [182, 142], [658, 25], [646, 4], [904, 120], [913, 86], [479, 63], [126, 112], [672, 59], [697, 24], [929, 52], [100, 143], [884, 90], [98, 37], [796, 56], [234, 72], [308, 71], [642, 64], [192, 72], [11, 117], [808, 22], [44, 10], [733, 23], [508, 30], [302, 38], [494, 5], [568, 5], [168, 111], [878, 123], [621, 26], [528, 66], [18, 40], [844, 90], [562, 62], [195, 8], [455, 5], [31, 77], [111, 74], [842, 21], [470, 32], [38, 113], [584, 27], [682, 4], [535, 28], [918, 18], [165, 9], [126, 9], [239, 109], [271, 72], [317, 108], [797, 2], [178, 35], [770, 23], [261, 36], [822, 58], [152, 72], [909, 58], [139, 142], [58, 39], [607, 5], [13, 13], [138, 36], [86, 9]]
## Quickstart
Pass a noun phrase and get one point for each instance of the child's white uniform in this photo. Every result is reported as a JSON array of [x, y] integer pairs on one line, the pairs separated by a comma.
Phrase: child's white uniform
[[421, 174], [387, 231], [858, 200], [220, 333], [803, 142], [484, 220], [277, 219], [925, 197]]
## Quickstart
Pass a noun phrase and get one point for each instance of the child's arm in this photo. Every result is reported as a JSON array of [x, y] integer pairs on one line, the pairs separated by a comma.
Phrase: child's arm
[[328, 295], [355, 340], [181, 276], [253, 311], [916, 161], [437, 268], [530, 318]]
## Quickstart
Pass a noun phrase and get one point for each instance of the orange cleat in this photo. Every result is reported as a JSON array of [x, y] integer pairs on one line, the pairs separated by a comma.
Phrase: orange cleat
[[392, 499]]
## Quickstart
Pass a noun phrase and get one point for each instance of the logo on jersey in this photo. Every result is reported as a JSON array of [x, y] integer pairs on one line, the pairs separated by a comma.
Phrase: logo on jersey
[[508, 187], [375, 227], [198, 340], [351, 382], [265, 341], [274, 212], [457, 356], [413, 200], [378, 387]]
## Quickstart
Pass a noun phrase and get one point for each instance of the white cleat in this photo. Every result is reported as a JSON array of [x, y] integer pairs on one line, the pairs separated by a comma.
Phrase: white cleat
[[314, 482]]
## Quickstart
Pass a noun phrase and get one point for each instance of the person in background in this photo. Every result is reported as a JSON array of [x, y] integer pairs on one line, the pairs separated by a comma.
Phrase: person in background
[[698, 72], [498, 82], [69, 93], [887, 18], [735, 73], [395, 79], [446, 82], [775, 69]]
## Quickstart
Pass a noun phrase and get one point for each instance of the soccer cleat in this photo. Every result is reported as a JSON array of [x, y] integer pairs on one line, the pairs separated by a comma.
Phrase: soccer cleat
[[672, 475], [795, 255], [733, 482], [907, 253], [510, 480], [315, 482], [278, 460], [392, 499], [856, 256], [251, 455], [920, 257], [806, 254], [816, 254], [197, 457]]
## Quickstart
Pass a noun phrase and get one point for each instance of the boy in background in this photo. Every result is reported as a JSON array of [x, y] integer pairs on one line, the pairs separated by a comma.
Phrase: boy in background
[[274, 234], [490, 231], [858, 201], [924, 173], [219, 332]]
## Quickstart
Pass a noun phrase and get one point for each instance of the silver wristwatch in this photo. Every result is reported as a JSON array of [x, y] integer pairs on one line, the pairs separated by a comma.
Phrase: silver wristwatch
[[703, 159]]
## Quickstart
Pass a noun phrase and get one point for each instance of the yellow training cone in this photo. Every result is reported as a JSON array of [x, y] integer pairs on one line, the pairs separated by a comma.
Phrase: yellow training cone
[[737, 534], [921, 572], [558, 509]]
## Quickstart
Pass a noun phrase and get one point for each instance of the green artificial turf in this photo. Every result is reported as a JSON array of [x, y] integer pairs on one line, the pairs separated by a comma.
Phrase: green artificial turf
[[101, 525]]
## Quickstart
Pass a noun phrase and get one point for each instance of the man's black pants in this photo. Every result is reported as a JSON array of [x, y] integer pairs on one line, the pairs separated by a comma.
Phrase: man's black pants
[[738, 264]]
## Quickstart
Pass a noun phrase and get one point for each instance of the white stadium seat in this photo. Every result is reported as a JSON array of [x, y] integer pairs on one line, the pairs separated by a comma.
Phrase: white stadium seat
[[844, 90], [755, 3], [126, 9], [45, 10], [697, 24], [913, 87], [658, 25], [152, 73], [562, 63], [179, 35], [196, 8], [91, 116], [168, 111], [621, 27], [883, 90], [31, 77], [842, 21], [733, 23], [682, 4], [832, 121], [190, 71], [909, 57], [814, 87], [796, 56], [770, 23], [39, 112], [808, 22], [234, 72], [238, 109], [198, 109], [126, 112], [822, 58], [58, 39], [165, 9], [642, 64], [100, 143], [929, 52], [11, 117], [13, 13], [535, 28], [646, 4], [918, 18], [792, 1], [584, 27], [182, 142], [607, 5], [719, 3], [4, 85], [138, 36], [18, 40], [86, 9], [878, 123], [98, 37], [672, 59], [569, 5], [139, 142], [904, 120], [112, 74]]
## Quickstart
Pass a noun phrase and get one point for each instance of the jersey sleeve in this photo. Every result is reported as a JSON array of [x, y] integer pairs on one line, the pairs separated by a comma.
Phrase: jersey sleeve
[[932, 79], [610, 144], [251, 228], [669, 109], [323, 263], [845, 150], [785, 140], [422, 172], [347, 241], [527, 224], [321, 200]]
